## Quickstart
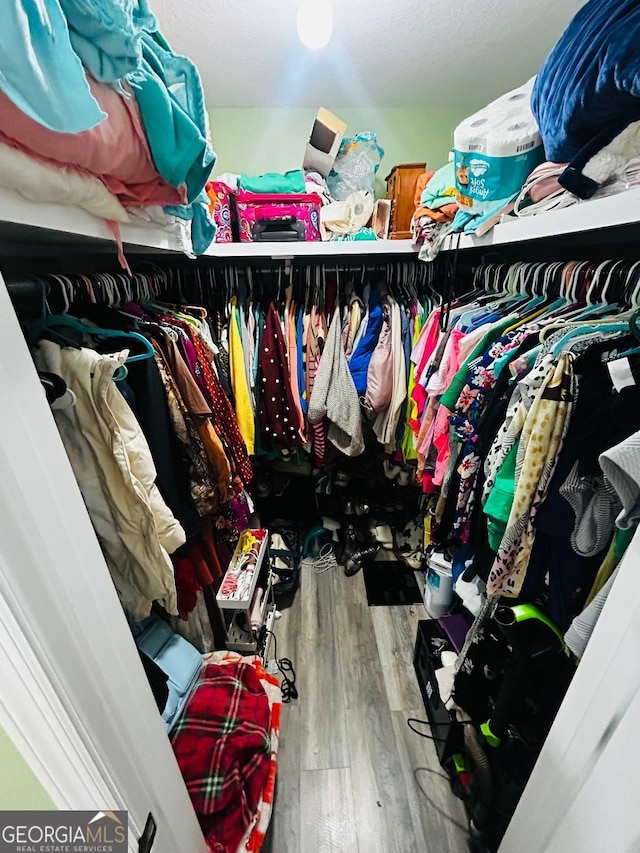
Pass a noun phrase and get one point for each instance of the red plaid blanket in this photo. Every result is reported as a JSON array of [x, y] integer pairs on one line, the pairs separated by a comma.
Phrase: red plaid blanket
[[223, 747]]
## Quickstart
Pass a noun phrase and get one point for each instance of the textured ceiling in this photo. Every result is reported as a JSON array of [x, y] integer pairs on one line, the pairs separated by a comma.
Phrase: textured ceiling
[[383, 53]]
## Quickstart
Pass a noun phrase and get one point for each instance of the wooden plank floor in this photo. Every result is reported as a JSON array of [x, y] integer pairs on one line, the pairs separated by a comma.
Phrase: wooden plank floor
[[352, 777]]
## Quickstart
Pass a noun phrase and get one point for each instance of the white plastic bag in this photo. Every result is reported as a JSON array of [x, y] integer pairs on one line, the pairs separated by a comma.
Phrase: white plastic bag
[[356, 166]]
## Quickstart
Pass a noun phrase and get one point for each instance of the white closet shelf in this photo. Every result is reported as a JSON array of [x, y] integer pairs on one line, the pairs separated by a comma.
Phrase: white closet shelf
[[23, 221], [32, 224], [592, 215], [601, 215], [316, 249]]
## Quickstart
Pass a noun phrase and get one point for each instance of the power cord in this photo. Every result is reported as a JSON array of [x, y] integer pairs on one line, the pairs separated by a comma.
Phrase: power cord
[[288, 686], [427, 723], [325, 560]]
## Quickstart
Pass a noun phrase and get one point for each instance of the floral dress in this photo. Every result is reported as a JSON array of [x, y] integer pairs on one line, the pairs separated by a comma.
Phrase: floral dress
[[464, 420]]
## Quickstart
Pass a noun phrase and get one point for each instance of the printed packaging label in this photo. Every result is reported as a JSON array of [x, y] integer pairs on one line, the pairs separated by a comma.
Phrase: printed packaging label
[[480, 177]]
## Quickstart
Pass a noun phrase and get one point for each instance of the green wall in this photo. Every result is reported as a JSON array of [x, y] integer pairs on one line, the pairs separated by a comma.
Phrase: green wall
[[273, 139], [19, 787]]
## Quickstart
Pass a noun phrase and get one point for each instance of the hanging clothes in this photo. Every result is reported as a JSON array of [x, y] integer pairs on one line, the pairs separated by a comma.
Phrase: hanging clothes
[[335, 398], [386, 423], [536, 458], [178, 449], [239, 382], [294, 366], [278, 412], [115, 472], [363, 350]]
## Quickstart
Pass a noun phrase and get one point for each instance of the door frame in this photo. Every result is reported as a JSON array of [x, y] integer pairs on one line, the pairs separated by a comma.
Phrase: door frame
[[74, 698]]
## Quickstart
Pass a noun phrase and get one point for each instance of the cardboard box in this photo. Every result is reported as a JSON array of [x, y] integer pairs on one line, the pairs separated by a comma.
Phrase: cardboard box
[[324, 142]]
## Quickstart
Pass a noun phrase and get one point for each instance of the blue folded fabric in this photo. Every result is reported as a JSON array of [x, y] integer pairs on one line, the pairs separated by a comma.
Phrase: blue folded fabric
[[588, 89], [106, 35], [468, 223], [169, 94], [40, 71]]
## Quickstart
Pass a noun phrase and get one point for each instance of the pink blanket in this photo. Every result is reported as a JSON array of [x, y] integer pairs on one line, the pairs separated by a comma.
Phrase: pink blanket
[[115, 151]]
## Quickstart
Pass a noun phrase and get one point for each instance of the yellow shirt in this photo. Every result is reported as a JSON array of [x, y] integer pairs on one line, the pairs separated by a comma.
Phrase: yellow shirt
[[240, 384]]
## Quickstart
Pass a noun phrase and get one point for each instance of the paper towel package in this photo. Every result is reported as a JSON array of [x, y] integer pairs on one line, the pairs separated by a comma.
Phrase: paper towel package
[[495, 150]]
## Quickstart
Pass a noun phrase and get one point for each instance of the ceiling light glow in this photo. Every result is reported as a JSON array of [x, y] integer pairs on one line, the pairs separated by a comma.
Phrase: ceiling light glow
[[315, 23]]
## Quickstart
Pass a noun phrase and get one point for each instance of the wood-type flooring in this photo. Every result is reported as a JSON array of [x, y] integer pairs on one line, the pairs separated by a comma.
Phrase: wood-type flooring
[[352, 776]]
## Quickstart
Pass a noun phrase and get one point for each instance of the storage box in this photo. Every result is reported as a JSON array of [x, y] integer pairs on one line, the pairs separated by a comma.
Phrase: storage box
[[239, 582], [278, 217], [236, 596], [431, 641], [324, 142]]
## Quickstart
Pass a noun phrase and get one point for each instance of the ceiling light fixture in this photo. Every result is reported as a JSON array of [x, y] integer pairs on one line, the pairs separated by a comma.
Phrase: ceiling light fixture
[[315, 23]]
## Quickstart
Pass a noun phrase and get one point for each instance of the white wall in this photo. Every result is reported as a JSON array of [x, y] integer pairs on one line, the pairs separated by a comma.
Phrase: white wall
[[255, 141]]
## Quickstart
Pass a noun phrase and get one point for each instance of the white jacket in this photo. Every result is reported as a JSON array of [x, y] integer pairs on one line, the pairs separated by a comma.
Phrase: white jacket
[[114, 468]]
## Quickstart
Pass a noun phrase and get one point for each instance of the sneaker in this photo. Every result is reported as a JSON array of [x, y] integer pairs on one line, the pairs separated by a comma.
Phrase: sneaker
[[414, 559]]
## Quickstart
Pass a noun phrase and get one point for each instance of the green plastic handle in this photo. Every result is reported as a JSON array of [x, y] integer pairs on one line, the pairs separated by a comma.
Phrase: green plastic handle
[[491, 739], [524, 612]]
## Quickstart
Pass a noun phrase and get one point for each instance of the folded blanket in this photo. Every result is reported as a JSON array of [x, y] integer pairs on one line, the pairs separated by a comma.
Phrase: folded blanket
[[542, 191], [115, 151], [274, 182], [440, 189], [421, 183], [587, 94], [254, 836], [54, 184], [223, 747]]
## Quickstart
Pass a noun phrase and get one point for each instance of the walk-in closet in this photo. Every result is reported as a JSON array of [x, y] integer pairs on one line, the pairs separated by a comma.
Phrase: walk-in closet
[[320, 434]]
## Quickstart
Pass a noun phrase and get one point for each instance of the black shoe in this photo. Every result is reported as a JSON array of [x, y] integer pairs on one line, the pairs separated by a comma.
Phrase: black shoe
[[357, 560], [350, 545]]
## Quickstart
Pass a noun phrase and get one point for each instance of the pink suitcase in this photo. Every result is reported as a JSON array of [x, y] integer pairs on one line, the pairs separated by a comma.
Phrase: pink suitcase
[[278, 217]]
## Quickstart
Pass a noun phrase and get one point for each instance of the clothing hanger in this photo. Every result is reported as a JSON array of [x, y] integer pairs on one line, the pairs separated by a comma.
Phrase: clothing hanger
[[51, 321], [632, 286], [634, 328], [586, 331]]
